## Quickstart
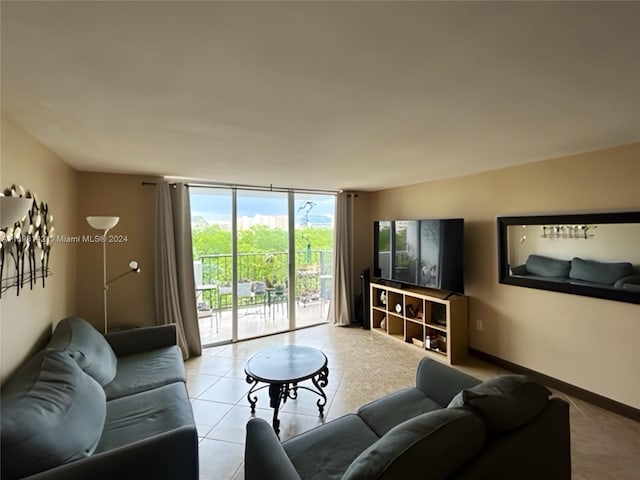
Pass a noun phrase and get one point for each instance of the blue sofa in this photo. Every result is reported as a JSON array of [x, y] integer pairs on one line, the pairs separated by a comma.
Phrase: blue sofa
[[86, 407], [577, 271], [449, 426]]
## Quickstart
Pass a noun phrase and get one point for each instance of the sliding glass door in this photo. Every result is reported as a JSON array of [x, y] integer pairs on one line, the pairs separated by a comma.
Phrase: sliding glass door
[[262, 260], [313, 256], [262, 263], [212, 238]]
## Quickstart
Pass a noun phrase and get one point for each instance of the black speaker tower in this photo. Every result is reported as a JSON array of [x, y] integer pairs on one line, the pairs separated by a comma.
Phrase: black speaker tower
[[364, 284]]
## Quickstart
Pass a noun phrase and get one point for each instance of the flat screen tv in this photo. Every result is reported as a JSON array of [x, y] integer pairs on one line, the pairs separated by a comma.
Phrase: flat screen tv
[[426, 253]]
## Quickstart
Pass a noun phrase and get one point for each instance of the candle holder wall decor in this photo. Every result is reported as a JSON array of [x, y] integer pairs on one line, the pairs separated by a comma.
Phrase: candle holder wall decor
[[26, 238]]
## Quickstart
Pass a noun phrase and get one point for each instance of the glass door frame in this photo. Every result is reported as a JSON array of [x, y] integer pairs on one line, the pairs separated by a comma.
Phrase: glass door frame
[[291, 258], [291, 274], [234, 265], [291, 300]]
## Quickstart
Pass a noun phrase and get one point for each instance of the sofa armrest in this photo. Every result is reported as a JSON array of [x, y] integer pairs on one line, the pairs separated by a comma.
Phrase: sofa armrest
[[541, 449], [143, 339], [519, 270], [440, 382], [628, 280], [169, 455], [264, 457], [435, 443]]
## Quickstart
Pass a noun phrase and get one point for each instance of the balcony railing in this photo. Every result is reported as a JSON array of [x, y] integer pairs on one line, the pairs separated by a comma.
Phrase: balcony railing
[[312, 267]]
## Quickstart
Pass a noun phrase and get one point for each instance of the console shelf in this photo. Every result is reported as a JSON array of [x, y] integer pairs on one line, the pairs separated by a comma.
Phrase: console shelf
[[424, 318]]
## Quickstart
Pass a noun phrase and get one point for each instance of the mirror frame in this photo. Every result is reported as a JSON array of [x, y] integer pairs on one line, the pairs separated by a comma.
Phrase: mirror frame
[[505, 277]]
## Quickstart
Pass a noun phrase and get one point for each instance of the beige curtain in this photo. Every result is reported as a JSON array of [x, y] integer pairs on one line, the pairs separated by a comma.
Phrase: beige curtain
[[174, 283], [342, 307]]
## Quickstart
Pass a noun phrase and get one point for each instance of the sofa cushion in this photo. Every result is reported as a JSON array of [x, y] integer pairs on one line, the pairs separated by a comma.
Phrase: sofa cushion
[[52, 413], [146, 370], [605, 273], [143, 415], [504, 403], [548, 267], [386, 412], [87, 347], [435, 443], [325, 452]]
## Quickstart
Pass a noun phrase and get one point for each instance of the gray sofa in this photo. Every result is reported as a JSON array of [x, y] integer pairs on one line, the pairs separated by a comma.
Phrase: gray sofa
[[86, 407], [450, 425], [577, 271]]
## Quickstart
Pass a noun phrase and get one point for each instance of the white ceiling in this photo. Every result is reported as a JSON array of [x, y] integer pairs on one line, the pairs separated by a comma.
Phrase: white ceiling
[[322, 95]]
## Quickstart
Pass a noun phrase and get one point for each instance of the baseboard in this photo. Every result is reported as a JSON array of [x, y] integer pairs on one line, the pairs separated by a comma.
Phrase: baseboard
[[581, 393]]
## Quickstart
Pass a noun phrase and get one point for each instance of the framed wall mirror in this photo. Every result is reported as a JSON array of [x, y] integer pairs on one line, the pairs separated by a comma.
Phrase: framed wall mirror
[[595, 254]]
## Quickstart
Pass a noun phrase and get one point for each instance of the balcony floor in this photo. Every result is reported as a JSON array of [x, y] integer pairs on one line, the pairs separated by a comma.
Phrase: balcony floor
[[259, 320]]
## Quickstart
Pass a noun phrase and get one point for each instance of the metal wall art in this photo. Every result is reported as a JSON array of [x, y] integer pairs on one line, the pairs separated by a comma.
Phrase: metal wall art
[[25, 243], [568, 231]]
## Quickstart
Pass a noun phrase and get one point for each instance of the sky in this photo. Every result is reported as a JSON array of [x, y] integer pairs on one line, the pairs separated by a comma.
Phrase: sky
[[215, 204]]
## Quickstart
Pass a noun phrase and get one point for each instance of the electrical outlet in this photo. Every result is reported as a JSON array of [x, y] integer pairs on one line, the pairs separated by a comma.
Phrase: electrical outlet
[[479, 325]]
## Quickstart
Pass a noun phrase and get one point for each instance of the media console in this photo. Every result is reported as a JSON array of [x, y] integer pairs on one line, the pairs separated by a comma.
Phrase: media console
[[433, 320]]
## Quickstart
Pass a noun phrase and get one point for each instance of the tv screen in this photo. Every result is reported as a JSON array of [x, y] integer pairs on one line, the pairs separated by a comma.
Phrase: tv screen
[[427, 253]]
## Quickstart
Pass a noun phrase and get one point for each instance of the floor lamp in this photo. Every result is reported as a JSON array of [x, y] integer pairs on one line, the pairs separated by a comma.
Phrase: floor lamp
[[105, 224]]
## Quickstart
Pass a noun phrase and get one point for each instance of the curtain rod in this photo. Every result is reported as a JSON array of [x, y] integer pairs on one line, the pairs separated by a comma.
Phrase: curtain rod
[[269, 188]]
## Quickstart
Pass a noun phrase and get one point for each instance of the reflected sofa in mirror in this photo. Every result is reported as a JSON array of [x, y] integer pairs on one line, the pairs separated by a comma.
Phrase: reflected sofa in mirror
[[595, 254]]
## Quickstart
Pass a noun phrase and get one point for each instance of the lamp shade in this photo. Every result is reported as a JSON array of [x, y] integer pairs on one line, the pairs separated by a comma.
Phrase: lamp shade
[[103, 223], [13, 209]]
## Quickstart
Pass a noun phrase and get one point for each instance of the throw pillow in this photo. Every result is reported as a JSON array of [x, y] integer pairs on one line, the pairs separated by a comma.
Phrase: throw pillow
[[548, 267], [605, 273], [504, 403], [52, 413], [87, 347]]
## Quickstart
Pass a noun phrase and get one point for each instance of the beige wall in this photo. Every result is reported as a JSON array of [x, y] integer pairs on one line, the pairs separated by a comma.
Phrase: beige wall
[[131, 298], [26, 320], [591, 343]]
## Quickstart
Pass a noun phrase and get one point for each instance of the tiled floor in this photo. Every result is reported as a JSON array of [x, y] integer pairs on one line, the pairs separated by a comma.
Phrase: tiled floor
[[363, 366]]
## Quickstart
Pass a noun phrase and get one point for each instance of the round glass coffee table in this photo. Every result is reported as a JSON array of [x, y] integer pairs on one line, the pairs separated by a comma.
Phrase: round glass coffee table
[[282, 368]]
